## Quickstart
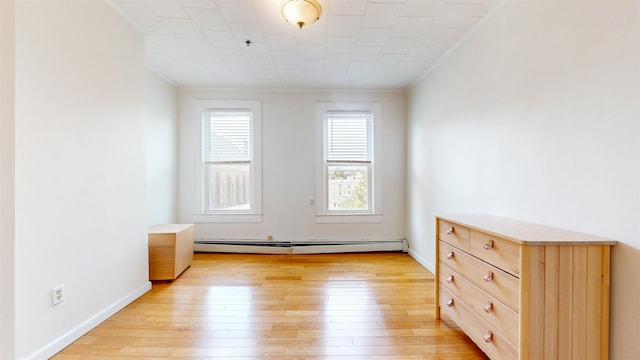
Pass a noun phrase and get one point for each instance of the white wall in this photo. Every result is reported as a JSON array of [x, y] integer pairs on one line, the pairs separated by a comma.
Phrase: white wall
[[288, 163], [7, 172], [161, 104], [537, 117], [80, 186]]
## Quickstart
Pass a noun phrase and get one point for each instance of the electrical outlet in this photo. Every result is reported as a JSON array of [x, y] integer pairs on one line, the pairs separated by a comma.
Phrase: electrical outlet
[[57, 294], [270, 237]]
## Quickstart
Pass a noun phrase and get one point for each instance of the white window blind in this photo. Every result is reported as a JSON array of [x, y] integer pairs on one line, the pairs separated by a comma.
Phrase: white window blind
[[349, 136], [227, 136]]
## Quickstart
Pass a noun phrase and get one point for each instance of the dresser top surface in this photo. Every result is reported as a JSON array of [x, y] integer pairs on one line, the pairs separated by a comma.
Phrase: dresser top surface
[[524, 232], [168, 228]]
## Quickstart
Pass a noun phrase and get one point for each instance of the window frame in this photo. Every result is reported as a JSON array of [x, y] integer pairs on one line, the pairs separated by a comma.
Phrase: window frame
[[254, 214], [375, 194]]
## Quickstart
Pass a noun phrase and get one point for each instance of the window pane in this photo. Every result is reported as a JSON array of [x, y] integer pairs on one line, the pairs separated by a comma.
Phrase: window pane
[[228, 186], [348, 187]]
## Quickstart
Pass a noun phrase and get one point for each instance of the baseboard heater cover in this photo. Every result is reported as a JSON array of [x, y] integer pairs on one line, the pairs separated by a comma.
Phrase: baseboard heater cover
[[298, 247]]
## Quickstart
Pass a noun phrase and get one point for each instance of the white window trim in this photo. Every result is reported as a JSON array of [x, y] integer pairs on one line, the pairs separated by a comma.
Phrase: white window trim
[[255, 215], [322, 215]]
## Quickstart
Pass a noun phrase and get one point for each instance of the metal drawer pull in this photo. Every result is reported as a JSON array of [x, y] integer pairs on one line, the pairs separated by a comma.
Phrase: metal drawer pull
[[488, 277], [450, 279], [451, 231], [488, 337], [489, 307], [489, 245], [450, 255], [450, 303]]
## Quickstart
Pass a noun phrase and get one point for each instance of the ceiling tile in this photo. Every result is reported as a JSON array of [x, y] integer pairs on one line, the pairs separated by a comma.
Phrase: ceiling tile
[[212, 62], [221, 39], [208, 19], [207, 4], [285, 57], [167, 8], [348, 7], [183, 28], [422, 7], [231, 55], [238, 11], [340, 44], [372, 36], [363, 53], [331, 72], [360, 68], [411, 26], [442, 37], [262, 64], [257, 50], [281, 42], [337, 59], [310, 51], [343, 25], [312, 35], [388, 60], [423, 53], [198, 47], [311, 79], [247, 31], [381, 15], [398, 45], [311, 64], [273, 23]]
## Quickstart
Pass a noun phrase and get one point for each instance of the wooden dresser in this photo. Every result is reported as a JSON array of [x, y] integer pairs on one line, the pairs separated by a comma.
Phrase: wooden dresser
[[522, 290], [170, 250]]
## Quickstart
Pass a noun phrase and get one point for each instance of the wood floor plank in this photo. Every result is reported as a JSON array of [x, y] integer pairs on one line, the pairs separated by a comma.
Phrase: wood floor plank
[[240, 306]]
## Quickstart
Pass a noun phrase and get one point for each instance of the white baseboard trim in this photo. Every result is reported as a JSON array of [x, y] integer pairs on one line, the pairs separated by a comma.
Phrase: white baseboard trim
[[422, 261], [74, 334]]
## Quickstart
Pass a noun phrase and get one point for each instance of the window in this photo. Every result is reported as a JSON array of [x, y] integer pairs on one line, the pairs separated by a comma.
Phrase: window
[[229, 162], [348, 170], [348, 159]]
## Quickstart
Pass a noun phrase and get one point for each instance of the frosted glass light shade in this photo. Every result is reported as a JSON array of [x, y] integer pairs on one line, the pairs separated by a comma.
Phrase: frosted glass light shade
[[301, 12]]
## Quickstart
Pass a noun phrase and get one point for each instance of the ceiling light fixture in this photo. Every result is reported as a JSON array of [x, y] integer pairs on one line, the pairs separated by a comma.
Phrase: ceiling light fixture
[[301, 12]]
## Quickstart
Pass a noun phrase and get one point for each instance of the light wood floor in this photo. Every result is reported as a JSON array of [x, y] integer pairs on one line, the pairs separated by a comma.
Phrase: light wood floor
[[338, 306]]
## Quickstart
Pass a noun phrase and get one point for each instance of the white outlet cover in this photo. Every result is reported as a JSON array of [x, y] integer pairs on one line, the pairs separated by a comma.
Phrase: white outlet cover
[[57, 294]]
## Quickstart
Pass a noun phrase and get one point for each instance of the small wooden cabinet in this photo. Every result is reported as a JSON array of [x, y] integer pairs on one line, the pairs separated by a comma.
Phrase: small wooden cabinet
[[522, 290], [170, 250]]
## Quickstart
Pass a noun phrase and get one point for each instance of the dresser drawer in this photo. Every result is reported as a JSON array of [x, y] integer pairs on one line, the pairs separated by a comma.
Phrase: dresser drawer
[[500, 252], [487, 337], [492, 280], [454, 234], [485, 306]]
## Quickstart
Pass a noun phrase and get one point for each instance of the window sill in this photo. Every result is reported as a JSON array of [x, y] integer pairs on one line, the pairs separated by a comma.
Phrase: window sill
[[349, 219], [227, 218]]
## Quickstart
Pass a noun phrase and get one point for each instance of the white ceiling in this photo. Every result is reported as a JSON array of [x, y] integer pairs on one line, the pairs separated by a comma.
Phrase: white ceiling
[[379, 44]]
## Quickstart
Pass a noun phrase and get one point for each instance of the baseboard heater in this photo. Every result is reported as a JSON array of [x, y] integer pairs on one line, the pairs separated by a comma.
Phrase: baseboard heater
[[298, 247]]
